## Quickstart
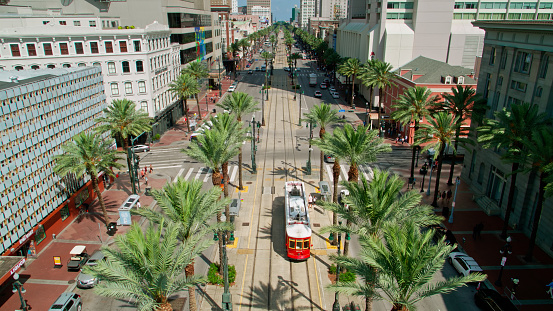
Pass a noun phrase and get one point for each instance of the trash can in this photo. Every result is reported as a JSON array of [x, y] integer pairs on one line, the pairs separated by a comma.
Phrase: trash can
[[112, 228], [148, 191], [324, 188]]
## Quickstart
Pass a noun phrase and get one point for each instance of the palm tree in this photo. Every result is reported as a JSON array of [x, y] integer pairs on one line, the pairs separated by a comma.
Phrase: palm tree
[[234, 48], [122, 120], [403, 276], [461, 102], [289, 42], [214, 148], [375, 206], [412, 106], [198, 71], [438, 134], [185, 205], [510, 129], [273, 41], [266, 56], [90, 154], [239, 104], [185, 86], [356, 147], [540, 159], [147, 268], [323, 115], [379, 75], [351, 68]]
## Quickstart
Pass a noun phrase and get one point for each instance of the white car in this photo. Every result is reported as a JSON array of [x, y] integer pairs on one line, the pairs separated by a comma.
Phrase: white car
[[463, 263], [332, 89], [141, 148], [232, 88], [335, 95]]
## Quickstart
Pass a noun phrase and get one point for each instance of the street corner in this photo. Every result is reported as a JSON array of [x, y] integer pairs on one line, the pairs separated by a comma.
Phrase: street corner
[[90, 228], [38, 297], [243, 190]]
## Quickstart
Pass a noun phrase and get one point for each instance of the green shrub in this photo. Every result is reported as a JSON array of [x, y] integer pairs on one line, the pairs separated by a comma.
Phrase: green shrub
[[332, 269], [157, 137], [347, 276], [214, 277]]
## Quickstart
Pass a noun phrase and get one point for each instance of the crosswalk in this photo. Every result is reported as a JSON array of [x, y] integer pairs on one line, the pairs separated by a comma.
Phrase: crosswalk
[[366, 170]]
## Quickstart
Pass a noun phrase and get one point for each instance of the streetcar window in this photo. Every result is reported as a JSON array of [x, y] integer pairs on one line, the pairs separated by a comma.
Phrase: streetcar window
[[292, 244], [306, 244]]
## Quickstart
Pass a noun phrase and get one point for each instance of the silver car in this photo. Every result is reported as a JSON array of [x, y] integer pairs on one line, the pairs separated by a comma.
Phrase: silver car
[[86, 280], [141, 148], [67, 302], [95, 258]]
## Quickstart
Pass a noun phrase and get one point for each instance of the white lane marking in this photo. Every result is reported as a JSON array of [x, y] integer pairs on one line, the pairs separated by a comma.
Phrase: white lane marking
[[189, 173], [200, 171], [178, 175], [343, 167], [160, 167], [233, 175], [208, 175], [329, 172]]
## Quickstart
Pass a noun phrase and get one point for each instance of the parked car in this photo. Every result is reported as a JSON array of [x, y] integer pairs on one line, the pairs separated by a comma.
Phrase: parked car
[[141, 148], [232, 88], [78, 258], [95, 258], [335, 95], [248, 65], [318, 94], [463, 263], [327, 80], [256, 68], [250, 71], [86, 280], [67, 302], [323, 85], [332, 89], [490, 300], [329, 158]]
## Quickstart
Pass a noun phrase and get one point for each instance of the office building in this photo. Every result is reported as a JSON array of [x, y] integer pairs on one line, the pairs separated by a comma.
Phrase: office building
[[333, 9], [41, 110], [514, 69], [307, 11], [258, 3]]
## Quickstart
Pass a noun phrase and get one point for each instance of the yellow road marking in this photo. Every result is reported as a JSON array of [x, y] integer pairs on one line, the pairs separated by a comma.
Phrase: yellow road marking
[[245, 189], [318, 285], [234, 245], [330, 246]]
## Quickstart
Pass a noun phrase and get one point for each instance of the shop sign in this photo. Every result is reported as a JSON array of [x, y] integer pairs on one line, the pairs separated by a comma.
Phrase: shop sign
[[17, 266]]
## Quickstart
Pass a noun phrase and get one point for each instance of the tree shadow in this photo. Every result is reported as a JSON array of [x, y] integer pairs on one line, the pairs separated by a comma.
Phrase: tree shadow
[[266, 297]]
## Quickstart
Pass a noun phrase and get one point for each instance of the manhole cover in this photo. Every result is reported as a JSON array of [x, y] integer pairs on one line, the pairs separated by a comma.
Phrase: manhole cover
[[245, 224], [70, 281], [280, 141], [248, 182], [316, 225]]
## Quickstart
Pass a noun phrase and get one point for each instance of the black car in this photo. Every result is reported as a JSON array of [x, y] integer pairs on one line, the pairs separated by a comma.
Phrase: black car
[[489, 299]]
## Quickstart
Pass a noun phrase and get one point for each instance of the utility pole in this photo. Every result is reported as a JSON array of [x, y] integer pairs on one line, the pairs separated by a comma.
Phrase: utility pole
[[227, 296], [308, 170], [254, 166], [262, 105]]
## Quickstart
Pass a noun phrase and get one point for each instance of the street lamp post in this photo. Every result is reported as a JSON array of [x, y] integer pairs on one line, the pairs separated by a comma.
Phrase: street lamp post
[[262, 105], [254, 166], [219, 65], [336, 305], [423, 172], [133, 163], [505, 250], [299, 114], [227, 296], [457, 182], [430, 178], [308, 168], [18, 288]]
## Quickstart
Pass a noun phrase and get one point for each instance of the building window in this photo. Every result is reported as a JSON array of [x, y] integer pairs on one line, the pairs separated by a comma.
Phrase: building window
[[47, 49], [18, 68], [111, 68], [63, 23], [500, 80], [460, 80], [492, 56], [123, 46], [114, 89], [487, 85], [447, 80], [96, 64], [50, 66], [496, 185], [64, 49], [539, 91], [481, 169], [31, 49], [144, 105], [543, 66], [109, 46], [92, 23], [128, 88], [503, 60], [35, 67], [15, 49], [126, 66], [81, 65], [94, 48], [139, 66], [79, 48], [141, 87], [66, 65], [523, 61], [136, 44], [76, 23], [519, 86]]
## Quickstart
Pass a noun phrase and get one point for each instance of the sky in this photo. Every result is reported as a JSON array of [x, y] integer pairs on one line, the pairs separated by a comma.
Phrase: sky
[[281, 9]]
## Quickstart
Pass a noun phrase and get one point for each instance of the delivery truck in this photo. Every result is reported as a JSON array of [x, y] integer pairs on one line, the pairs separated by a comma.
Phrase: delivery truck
[[312, 79]]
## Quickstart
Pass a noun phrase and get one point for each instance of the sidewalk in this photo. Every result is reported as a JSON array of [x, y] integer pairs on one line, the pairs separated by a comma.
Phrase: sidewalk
[[531, 292]]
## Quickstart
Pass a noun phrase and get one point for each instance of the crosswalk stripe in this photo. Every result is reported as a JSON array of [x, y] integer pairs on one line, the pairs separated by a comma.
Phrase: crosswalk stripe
[[178, 175], [208, 175], [345, 172], [199, 173], [233, 175], [160, 167], [328, 171], [189, 173]]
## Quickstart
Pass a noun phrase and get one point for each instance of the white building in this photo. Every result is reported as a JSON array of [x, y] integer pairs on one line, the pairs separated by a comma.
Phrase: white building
[[137, 64], [333, 9], [307, 10], [234, 8], [264, 14]]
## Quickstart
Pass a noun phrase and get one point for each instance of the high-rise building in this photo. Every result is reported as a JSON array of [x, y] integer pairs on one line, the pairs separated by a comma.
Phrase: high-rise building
[[234, 8], [307, 10], [514, 69], [333, 9], [41, 110], [295, 14], [259, 3]]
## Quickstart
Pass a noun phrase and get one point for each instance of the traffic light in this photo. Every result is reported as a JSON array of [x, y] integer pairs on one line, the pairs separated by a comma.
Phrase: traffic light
[[215, 236], [331, 237], [137, 160], [348, 237]]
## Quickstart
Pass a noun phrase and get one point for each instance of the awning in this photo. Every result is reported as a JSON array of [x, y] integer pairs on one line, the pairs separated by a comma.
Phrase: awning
[[77, 250], [9, 265], [215, 74]]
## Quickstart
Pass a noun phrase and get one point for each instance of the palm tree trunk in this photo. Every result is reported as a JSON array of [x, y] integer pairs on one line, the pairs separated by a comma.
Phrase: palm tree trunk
[[379, 117], [186, 114], [368, 304], [438, 171], [335, 178], [452, 169], [189, 271], [352, 90], [225, 179], [216, 180], [129, 163], [96, 188], [510, 198], [321, 170], [198, 103], [537, 216], [166, 306], [398, 307], [353, 176], [414, 153], [240, 186]]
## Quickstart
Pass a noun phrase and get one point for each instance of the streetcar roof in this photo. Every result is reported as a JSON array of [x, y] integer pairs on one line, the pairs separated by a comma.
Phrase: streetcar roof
[[298, 231]]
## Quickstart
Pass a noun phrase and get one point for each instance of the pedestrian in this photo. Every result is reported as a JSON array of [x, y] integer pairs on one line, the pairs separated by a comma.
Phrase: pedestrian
[[449, 195], [138, 205], [550, 290], [444, 194], [142, 174], [310, 201], [151, 169], [445, 212], [402, 140], [146, 180]]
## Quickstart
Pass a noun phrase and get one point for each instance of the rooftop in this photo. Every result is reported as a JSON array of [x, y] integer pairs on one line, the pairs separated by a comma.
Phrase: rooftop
[[13, 78], [431, 71]]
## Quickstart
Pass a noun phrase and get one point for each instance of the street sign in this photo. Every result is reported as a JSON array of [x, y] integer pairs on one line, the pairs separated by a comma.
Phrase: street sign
[[342, 110]]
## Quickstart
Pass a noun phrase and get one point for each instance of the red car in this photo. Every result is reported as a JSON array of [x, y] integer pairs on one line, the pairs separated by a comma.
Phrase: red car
[[318, 94]]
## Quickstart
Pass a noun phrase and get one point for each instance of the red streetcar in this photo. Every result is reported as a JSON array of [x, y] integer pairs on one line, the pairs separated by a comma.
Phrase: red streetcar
[[298, 224]]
